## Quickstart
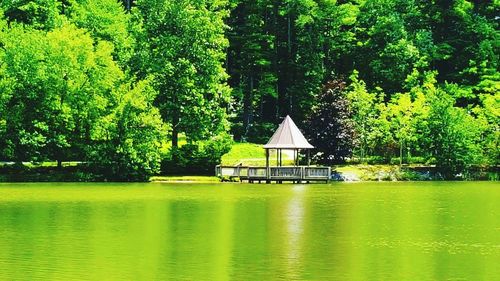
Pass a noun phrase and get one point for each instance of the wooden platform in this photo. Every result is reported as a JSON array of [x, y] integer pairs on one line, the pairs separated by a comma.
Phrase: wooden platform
[[296, 174]]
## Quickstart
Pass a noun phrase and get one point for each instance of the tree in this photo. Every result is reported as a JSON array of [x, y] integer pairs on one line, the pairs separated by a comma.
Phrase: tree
[[55, 86], [37, 14], [488, 114], [281, 52], [386, 53], [127, 139], [182, 45], [106, 20], [64, 97], [363, 105], [406, 114], [453, 135], [329, 127], [251, 64]]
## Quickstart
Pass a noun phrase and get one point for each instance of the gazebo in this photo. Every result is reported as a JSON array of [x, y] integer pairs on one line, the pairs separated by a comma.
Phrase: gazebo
[[287, 137]]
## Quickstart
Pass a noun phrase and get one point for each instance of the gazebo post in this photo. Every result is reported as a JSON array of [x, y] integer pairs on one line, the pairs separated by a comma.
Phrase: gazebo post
[[308, 157], [267, 165], [267, 157]]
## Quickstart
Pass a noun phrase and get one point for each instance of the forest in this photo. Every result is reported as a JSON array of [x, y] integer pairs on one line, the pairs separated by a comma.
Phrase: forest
[[132, 88]]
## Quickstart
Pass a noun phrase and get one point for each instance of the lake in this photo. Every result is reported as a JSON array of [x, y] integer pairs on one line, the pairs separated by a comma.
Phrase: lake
[[168, 231]]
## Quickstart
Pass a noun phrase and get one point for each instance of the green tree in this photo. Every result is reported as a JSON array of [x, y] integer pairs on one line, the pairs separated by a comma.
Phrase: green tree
[[38, 14], [465, 34], [251, 64], [488, 113], [54, 84], [64, 97], [182, 44], [364, 114], [323, 37], [106, 20], [454, 135], [127, 138], [280, 55], [386, 50], [407, 114]]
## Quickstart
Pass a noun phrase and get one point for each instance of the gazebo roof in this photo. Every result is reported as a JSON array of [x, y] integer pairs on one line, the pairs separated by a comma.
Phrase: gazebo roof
[[288, 136]]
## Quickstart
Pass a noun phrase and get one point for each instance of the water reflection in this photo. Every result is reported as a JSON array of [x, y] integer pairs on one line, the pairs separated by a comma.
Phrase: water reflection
[[250, 232], [295, 213]]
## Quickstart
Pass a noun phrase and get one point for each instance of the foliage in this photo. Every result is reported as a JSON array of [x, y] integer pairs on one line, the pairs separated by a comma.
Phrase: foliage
[[182, 45], [280, 54], [38, 14], [453, 135], [81, 79], [54, 86], [106, 20], [364, 115], [197, 157], [128, 138], [329, 127], [407, 115], [65, 97]]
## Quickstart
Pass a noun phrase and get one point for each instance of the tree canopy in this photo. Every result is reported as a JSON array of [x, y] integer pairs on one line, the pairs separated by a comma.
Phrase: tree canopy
[[118, 84]]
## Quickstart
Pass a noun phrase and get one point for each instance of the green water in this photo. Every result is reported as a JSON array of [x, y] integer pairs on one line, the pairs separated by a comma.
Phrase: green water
[[362, 231]]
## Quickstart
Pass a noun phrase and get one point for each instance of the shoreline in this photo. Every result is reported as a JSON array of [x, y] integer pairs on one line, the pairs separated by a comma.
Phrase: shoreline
[[340, 173], [347, 173]]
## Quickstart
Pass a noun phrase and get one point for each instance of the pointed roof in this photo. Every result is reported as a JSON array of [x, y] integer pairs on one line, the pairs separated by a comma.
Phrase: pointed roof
[[288, 136]]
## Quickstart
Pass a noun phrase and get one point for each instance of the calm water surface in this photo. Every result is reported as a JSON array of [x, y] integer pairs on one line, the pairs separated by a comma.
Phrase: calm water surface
[[361, 231]]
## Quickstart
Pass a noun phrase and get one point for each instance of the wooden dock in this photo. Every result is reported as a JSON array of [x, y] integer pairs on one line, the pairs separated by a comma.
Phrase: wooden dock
[[296, 174]]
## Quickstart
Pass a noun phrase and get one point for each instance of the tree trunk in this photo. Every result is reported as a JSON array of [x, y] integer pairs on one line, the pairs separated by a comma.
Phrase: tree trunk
[[401, 153], [175, 129], [408, 155], [275, 60], [248, 110], [289, 34]]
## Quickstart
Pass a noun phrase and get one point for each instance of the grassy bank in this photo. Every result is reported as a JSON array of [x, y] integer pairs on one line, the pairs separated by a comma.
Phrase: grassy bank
[[364, 172], [186, 179], [251, 154]]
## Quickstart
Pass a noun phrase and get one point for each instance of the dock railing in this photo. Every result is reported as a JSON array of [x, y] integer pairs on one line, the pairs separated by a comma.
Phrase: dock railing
[[231, 171], [319, 173], [257, 173], [291, 173], [283, 173]]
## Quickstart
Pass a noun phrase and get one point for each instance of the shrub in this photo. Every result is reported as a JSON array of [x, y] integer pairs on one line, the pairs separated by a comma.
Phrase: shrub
[[198, 158]]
